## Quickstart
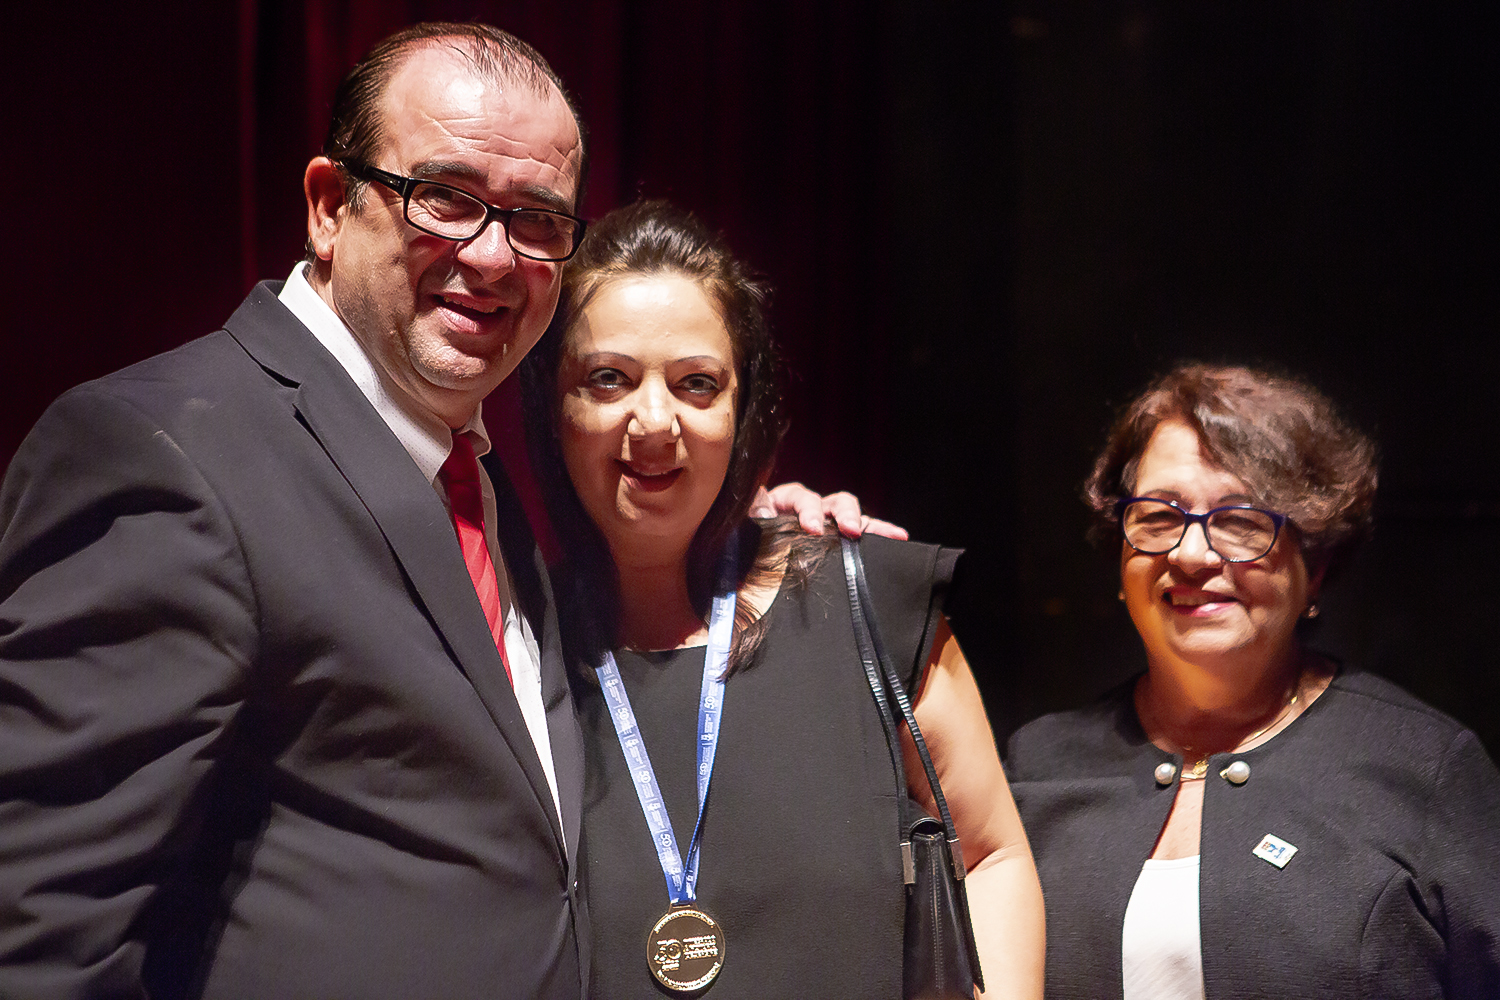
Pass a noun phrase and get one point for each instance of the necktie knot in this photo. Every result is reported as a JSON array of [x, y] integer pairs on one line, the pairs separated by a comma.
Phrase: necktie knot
[[460, 476]]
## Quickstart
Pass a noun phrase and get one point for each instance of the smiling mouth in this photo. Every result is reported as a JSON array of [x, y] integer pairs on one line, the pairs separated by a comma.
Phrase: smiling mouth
[[647, 480], [475, 312], [1191, 602]]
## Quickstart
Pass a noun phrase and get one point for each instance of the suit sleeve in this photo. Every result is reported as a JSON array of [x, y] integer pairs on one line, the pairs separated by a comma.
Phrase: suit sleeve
[[127, 628]]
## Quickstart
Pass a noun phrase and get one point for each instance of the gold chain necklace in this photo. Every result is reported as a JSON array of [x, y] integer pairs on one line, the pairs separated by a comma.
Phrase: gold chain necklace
[[1199, 767]]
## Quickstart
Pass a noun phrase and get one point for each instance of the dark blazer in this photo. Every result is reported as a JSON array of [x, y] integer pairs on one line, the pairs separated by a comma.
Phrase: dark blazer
[[255, 738], [1394, 890]]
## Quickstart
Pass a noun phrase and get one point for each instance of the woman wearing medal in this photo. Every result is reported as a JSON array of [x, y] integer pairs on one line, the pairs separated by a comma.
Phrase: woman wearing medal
[[740, 833]]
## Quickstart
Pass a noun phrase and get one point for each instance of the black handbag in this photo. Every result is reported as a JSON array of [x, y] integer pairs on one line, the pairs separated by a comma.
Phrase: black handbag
[[940, 957]]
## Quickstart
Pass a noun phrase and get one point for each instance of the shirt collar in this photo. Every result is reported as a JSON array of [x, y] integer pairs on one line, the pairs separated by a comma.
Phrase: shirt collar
[[426, 438]]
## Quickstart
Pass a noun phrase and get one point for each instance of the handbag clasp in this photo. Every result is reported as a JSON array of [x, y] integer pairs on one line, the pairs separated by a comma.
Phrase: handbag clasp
[[956, 852]]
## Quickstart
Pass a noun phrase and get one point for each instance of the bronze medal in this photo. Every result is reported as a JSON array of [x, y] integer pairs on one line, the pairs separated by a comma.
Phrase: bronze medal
[[685, 949]]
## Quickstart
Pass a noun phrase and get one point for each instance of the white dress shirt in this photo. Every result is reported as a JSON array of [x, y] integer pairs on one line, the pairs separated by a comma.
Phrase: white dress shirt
[[427, 439]]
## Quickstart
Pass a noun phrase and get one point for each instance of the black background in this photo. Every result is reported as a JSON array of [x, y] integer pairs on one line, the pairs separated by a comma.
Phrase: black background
[[987, 226]]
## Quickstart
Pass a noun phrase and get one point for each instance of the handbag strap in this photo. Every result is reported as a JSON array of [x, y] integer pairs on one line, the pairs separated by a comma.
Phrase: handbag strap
[[869, 659], [872, 653]]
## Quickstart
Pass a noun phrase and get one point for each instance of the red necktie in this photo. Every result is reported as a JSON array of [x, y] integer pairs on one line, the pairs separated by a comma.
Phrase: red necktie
[[460, 476]]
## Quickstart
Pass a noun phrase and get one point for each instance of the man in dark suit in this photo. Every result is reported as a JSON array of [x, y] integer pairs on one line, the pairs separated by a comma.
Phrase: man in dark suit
[[282, 708], [257, 733]]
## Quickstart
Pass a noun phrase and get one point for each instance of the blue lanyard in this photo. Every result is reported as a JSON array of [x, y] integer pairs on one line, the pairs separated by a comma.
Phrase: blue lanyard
[[682, 880]]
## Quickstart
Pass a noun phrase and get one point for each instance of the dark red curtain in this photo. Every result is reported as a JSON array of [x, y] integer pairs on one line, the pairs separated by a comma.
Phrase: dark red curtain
[[985, 231], [184, 133]]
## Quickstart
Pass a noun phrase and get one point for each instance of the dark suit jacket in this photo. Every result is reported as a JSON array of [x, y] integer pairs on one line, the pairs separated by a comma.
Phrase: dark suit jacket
[[255, 738]]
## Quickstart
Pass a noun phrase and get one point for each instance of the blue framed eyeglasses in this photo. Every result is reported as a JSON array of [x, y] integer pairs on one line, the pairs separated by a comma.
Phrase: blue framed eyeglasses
[[1238, 533]]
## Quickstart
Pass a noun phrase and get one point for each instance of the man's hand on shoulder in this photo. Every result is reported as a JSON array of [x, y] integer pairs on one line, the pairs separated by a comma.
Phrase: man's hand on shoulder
[[812, 508]]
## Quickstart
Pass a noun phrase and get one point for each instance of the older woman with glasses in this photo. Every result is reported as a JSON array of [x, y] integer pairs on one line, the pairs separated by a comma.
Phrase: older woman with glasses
[[1247, 818]]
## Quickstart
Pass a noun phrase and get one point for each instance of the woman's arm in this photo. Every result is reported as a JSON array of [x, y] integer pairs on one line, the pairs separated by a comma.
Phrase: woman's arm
[[1005, 898]]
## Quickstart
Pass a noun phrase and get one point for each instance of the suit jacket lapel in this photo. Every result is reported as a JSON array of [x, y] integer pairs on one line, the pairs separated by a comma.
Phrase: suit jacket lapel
[[528, 570], [403, 504]]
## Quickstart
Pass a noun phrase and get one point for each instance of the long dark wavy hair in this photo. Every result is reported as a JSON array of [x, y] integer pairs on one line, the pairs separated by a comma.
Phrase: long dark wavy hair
[[650, 238]]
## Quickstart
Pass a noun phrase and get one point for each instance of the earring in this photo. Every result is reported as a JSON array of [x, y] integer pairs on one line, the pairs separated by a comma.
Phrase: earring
[[1312, 610], [1121, 594]]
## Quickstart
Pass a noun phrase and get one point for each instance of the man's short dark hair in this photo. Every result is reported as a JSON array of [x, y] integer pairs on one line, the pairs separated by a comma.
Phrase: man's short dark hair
[[356, 130]]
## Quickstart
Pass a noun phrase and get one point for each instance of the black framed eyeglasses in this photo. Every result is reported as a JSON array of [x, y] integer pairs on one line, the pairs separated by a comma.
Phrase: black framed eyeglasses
[[1238, 533], [451, 213]]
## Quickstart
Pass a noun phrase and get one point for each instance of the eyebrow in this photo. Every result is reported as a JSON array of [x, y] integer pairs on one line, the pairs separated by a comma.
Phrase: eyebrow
[[705, 360], [445, 170], [598, 357], [702, 360], [1227, 500]]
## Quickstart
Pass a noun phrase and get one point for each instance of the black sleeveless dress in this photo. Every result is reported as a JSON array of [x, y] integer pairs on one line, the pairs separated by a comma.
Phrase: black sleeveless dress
[[799, 858]]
